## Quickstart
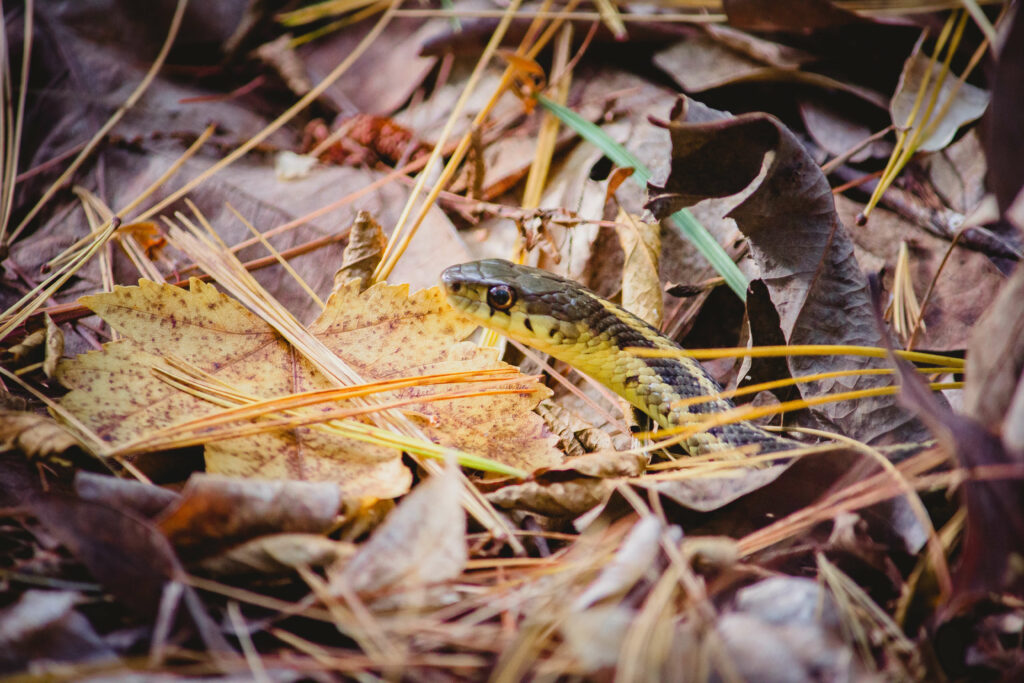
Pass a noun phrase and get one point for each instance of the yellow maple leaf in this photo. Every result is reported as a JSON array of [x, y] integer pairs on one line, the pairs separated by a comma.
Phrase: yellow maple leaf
[[382, 333]]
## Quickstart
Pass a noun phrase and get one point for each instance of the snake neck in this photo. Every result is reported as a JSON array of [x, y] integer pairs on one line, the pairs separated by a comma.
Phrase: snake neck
[[652, 385]]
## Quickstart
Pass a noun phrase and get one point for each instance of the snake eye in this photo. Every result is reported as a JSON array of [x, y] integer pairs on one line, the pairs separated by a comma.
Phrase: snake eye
[[501, 297]]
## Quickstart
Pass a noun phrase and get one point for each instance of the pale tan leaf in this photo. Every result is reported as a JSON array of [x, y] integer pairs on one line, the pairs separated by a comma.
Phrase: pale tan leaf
[[641, 282], [366, 242], [34, 435], [634, 558], [117, 395]]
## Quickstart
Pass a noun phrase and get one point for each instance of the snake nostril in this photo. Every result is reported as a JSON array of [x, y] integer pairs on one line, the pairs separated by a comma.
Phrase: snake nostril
[[455, 286]]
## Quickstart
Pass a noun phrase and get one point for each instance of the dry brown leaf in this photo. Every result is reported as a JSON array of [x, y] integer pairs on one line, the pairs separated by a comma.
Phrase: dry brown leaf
[[383, 333], [804, 253], [36, 436], [422, 542], [995, 356], [641, 281], [964, 289]]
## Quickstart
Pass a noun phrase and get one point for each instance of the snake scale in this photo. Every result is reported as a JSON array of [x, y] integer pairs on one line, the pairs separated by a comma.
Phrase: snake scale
[[573, 324]]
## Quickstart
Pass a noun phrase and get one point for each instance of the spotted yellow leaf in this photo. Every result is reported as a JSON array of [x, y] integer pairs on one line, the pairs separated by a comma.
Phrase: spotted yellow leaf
[[382, 333]]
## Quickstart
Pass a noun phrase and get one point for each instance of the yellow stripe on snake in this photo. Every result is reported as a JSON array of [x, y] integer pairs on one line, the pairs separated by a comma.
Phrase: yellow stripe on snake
[[573, 324]]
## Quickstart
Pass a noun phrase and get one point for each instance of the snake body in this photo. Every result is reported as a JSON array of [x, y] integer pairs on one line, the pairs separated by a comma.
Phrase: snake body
[[573, 324]]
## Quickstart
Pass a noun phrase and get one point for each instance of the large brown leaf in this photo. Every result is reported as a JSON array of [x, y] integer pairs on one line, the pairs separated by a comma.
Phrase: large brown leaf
[[803, 251]]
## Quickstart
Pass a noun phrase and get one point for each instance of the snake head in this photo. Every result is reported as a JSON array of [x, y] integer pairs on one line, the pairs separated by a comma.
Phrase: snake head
[[527, 304]]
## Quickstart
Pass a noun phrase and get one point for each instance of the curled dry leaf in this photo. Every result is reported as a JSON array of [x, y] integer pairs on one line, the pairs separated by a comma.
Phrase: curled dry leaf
[[54, 347], [37, 436], [575, 436], [569, 490], [383, 333], [803, 251], [277, 554], [422, 542], [47, 342], [136, 496], [216, 511]]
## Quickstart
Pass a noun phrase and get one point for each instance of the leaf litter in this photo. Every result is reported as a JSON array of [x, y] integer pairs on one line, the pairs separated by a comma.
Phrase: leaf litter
[[224, 449]]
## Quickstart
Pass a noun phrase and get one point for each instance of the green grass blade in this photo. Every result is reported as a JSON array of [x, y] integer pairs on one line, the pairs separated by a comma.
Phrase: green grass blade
[[684, 221]]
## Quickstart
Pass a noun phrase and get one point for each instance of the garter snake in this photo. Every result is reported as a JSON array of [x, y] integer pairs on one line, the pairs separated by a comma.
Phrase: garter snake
[[573, 324]]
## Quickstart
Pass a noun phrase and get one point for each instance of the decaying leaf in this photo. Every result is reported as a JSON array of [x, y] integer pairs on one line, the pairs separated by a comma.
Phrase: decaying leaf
[[383, 333], [965, 287], [804, 253], [995, 359], [969, 103], [125, 553], [575, 437]]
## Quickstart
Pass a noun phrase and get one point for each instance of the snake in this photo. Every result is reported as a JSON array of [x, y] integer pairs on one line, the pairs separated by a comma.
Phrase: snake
[[569, 322]]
